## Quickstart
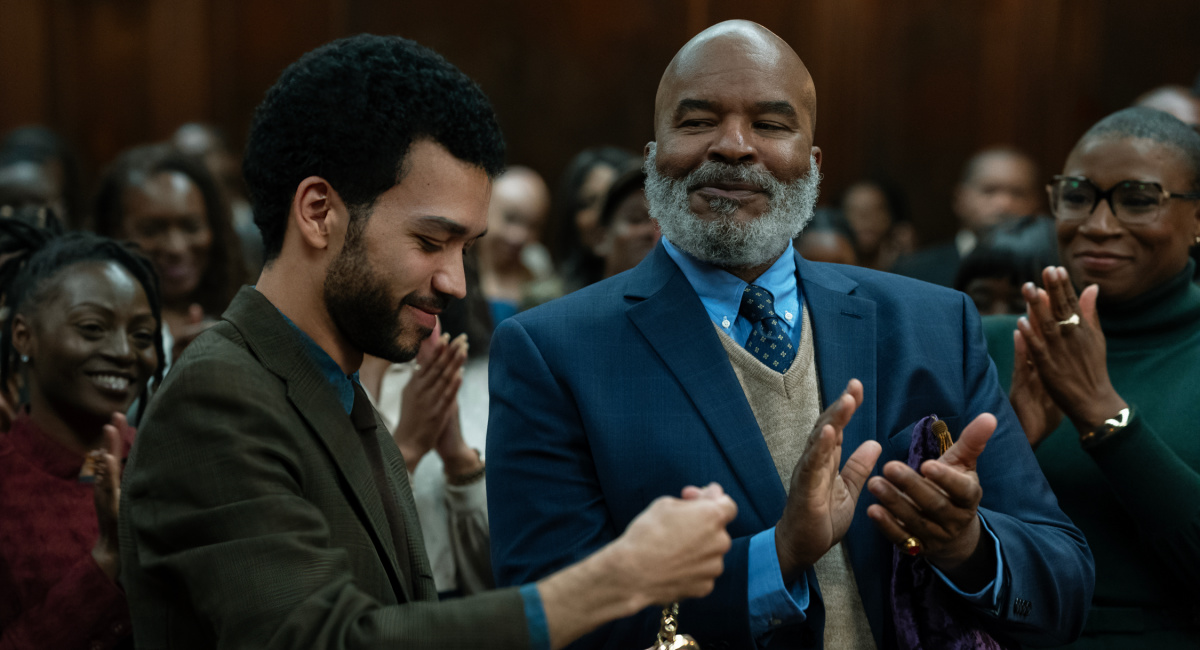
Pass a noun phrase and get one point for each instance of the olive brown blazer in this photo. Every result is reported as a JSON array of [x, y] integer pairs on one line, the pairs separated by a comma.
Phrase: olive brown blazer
[[251, 516]]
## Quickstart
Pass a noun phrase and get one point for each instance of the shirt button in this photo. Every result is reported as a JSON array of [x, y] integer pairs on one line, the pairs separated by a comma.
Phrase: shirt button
[[787, 315], [118, 628], [725, 323]]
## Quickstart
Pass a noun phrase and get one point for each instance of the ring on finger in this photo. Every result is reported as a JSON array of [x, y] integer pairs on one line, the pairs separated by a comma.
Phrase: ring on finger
[[1070, 322], [911, 545]]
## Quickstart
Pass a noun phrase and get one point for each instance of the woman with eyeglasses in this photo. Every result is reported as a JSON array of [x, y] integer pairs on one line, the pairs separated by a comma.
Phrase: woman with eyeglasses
[[1106, 381]]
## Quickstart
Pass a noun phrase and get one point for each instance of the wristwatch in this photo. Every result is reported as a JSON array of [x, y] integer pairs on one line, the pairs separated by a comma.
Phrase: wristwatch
[[1111, 426]]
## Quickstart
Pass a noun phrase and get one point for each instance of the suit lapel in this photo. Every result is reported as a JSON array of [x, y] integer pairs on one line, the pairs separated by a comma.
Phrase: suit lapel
[[279, 348], [671, 317], [421, 584], [844, 339], [844, 335]]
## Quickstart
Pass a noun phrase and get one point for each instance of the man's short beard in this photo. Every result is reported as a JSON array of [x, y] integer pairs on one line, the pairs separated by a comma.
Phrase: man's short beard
[[361, 305], [725, 241]]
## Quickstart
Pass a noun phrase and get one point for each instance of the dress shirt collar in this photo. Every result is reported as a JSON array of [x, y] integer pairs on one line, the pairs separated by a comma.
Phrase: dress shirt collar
[[721, 292], [341, 382]]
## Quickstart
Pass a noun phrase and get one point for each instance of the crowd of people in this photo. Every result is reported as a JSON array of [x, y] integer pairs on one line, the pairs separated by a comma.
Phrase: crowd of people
[[370, 383]]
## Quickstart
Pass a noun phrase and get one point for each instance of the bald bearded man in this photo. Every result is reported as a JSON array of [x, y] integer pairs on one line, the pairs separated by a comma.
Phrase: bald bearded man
[[726, 356]]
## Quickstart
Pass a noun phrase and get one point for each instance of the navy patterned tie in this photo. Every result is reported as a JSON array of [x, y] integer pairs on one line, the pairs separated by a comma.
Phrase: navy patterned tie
[[768, 342]]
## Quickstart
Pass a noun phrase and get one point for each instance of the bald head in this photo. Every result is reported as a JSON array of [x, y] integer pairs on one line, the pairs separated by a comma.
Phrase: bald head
[[728, 47], [521, 186], [1175, 100]]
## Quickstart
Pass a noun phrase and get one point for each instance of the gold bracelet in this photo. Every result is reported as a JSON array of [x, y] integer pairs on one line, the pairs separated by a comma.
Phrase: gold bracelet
[[1111, 427]]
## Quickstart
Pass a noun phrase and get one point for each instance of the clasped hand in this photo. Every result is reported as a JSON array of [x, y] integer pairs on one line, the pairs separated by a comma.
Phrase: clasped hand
[[429, 404], [937, 505], [1060, 368]]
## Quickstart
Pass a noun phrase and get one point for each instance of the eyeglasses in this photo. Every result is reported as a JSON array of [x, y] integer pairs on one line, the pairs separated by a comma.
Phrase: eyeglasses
[[1134, 203]]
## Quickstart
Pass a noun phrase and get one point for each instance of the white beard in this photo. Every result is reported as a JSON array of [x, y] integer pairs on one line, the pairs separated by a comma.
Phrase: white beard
[[725, 241]]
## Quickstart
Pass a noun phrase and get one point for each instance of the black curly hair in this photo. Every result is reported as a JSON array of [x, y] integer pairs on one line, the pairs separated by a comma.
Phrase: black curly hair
[[33, 256], [226, 271], [348, 112]]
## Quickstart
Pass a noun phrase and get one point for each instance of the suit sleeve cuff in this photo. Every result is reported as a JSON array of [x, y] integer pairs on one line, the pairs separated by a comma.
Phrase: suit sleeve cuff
[[535, 618], [989, 597], [772, 604]]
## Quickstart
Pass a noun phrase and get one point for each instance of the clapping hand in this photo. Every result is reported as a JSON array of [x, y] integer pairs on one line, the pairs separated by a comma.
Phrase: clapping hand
[[106, 491], [1060, 338], [939, 507], [821, 500], [429, 405]]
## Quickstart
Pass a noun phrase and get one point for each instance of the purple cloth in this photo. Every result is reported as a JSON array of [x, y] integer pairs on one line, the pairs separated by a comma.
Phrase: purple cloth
[[924, 615]]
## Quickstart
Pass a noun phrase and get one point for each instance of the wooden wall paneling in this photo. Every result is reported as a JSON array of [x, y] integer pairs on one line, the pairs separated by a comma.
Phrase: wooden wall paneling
[[254, 41], [25, 78], [101, 53], [179, 64], [938, 61], [228, 107], [1146, 43], [562, 76], [905, 90], [1073, 84], [591, 79]]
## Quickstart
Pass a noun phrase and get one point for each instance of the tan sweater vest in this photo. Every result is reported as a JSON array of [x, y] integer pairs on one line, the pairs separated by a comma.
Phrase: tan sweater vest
[[786, 407]]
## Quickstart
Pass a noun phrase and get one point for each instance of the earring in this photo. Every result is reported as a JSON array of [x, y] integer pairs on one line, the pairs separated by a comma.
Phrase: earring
[[24, 358]]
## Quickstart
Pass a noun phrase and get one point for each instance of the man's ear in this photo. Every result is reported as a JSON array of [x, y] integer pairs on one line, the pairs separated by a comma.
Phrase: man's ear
[[316, 213], [815, 152]]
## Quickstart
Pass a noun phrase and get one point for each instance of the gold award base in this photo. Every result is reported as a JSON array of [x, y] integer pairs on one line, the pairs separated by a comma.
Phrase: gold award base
[[667, 637]]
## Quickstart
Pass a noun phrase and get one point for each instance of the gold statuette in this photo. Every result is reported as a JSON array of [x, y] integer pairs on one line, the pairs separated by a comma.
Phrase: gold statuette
[[667, 638]]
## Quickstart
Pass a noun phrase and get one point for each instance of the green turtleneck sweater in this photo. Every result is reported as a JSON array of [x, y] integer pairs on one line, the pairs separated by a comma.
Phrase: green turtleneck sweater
[[1136, 495]]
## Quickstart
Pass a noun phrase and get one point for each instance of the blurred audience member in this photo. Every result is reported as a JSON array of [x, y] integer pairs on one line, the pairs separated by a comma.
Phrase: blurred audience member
[[38, 216], [997, 184], [438, 403], [577, 202], [1105, 383], [169, 204], [37, 167], [1175, 100], [470, 315], [629, 232], [520, 201], [1009, 255], [828, 238], [206, 142], [878, 215], [84, 332]]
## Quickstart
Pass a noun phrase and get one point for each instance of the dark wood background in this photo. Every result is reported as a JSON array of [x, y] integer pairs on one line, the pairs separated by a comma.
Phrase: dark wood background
[[906, 88]]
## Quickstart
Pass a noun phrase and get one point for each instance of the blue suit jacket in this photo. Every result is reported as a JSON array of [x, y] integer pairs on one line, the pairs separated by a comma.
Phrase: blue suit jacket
[[621, 393]]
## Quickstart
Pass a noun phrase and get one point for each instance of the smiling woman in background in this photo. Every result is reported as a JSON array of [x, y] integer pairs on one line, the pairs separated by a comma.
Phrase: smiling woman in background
[[170, 205], [1105, 384], [84, 332]]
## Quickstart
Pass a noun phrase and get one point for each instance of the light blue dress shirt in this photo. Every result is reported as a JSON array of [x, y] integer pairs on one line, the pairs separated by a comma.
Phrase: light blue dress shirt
[[535, 614], [771, 603]]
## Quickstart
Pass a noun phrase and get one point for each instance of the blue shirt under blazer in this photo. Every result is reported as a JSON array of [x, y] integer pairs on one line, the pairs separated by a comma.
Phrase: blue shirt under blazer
[[621, 393]]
